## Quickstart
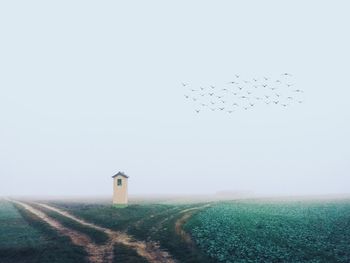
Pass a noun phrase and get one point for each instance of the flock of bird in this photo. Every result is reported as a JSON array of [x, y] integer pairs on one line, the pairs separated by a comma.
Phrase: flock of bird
[[244, 94]]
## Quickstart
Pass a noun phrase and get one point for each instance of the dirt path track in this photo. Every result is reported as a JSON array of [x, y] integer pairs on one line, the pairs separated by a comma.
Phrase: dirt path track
[[97, 254], [100, 253], [187, 213]]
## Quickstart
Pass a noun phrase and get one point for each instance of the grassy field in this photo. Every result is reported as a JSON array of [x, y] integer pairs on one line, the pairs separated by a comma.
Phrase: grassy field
[[151, 222], [24, 238], [274, 231], [15, 231]]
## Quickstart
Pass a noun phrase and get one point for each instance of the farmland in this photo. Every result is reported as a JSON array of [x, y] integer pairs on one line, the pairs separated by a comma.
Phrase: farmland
[[150, 222], [16, 232], [230, 231], [24, 238], [274, 231]]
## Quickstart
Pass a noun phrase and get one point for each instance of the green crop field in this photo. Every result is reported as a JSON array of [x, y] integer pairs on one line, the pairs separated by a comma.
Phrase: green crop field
[[274, 231], [230, 231]]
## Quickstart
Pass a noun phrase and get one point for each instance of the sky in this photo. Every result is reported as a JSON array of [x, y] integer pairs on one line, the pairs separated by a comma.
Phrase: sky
[[90, 88]]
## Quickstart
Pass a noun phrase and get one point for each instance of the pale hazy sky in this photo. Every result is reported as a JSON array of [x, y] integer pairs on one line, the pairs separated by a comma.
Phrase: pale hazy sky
[[89, 88]]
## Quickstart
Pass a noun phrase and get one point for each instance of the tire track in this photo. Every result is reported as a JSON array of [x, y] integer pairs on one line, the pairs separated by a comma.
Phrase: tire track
[[99, 253], [96, 254]]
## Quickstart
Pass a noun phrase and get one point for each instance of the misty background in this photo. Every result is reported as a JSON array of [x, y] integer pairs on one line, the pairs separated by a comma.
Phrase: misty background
[[89, 88]]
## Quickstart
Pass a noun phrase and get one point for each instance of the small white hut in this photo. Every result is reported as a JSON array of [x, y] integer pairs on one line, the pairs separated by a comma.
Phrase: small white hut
[[120, 188]]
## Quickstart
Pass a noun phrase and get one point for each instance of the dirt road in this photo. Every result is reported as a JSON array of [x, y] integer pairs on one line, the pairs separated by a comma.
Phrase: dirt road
[[100, 253]]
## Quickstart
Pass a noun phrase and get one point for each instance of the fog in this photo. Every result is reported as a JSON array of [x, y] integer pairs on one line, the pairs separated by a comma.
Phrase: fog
[[92, 88]]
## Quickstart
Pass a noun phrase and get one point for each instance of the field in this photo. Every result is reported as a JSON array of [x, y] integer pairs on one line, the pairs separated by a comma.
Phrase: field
[[16, 232], [274, 232], [151, 222], [230, 231], [23, 238]]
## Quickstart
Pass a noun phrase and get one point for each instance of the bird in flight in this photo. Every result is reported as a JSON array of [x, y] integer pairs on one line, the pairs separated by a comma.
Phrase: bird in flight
[[245, 94]]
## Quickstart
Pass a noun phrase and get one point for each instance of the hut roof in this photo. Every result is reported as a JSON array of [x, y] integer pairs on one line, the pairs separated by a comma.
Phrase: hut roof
[[120, 174]]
